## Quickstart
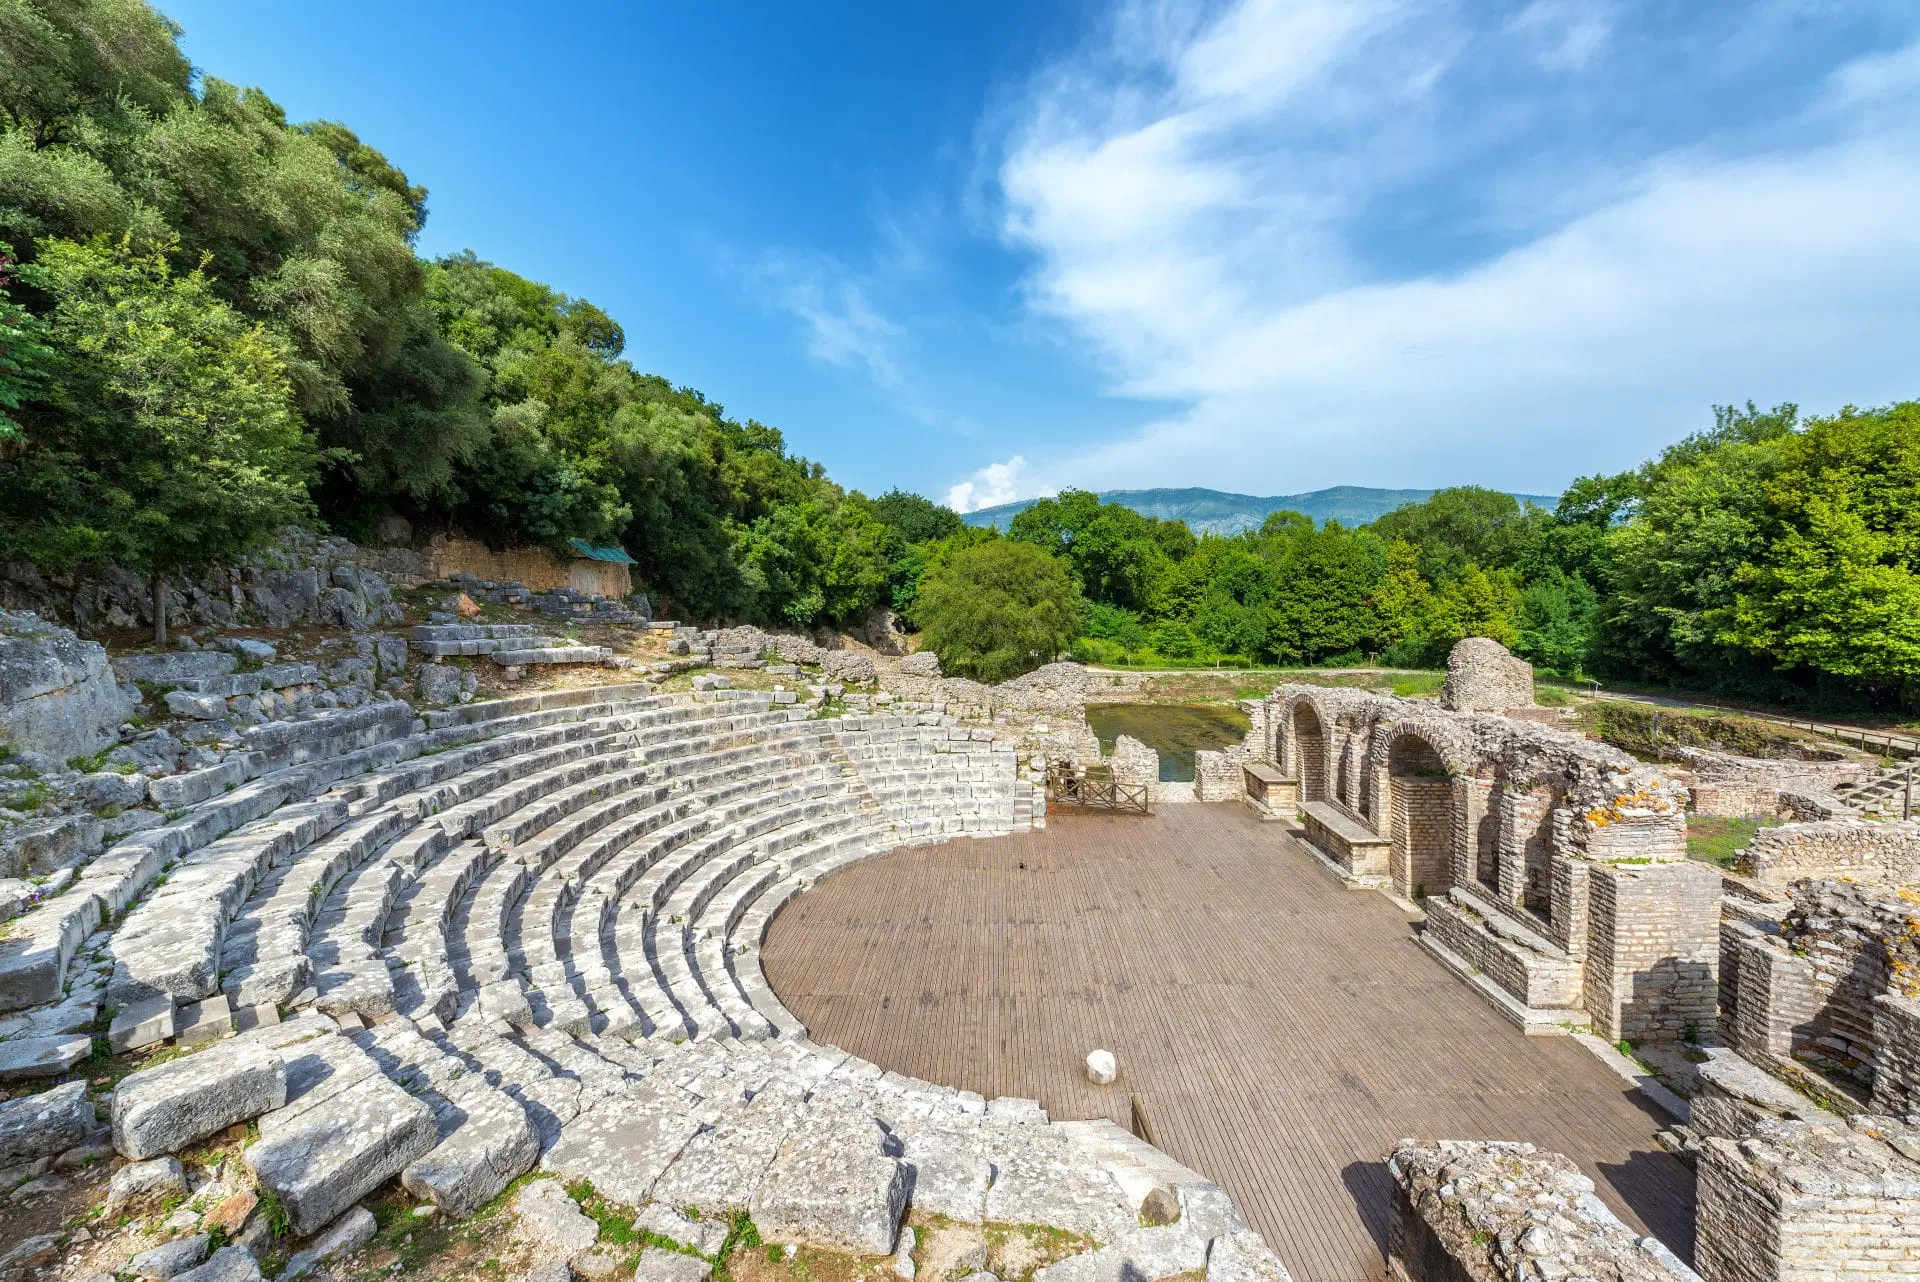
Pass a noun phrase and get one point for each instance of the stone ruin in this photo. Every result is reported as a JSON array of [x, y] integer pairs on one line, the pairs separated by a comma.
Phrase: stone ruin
[[521, 935], [1553, 869], [1493, 1211], [1482, 676]]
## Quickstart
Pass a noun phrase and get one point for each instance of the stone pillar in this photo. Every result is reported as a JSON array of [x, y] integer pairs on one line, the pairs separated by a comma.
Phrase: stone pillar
[[1806, 1201], [1653, 951], [1777, 994], [1896, 1046]]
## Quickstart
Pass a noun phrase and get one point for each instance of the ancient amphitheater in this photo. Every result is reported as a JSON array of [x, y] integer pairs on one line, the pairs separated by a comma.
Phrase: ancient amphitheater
[[523, 938]]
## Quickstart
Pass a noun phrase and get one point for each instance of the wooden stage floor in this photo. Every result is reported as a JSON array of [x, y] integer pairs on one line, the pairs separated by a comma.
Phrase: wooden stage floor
[[1281, 1031]]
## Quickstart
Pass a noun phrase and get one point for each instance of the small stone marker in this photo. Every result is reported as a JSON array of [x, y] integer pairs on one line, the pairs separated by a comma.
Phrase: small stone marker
[[1102, 1067]]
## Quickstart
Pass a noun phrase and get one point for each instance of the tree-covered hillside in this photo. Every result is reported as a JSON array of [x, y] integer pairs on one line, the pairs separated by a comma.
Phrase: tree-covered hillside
[[213, 321]]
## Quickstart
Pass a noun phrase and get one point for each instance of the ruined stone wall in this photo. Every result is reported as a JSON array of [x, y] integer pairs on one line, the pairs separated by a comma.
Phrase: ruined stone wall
[[1653, 951], [1799, 1199], [1896, 1048], [1888, 853], [536, 568], [1492, 1211], [1482, 676]]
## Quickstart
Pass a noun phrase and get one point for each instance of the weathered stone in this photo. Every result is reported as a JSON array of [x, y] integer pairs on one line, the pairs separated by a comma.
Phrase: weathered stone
[[229, 1214], [250, 648], [623, 1146], [704, 1236], [921, 663], [848, 666], [494, 1145], [107, 788], [1102, 1068], [163, 1109], [172, 666], [548, 1214], [30, 1252], [348, 1233], [1144, 1255], [1160, 1206], [142, 1185], [46, 1124], [228, 1264], [659, 1265], [832, 1186], [57, 694], [1484, 676], [33, 1057], [170, 1259], [440, 684], [199, 707], [142, 1022], [1042, 1179], [338, 1150], [551, 1271], [1241, 1256]]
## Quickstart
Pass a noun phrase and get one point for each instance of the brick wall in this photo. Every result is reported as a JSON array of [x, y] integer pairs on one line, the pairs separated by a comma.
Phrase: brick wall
[[1422, 835], [1896, 1040], [1881, 852], [1806, 1200], [1653, 950], [1777, 995]]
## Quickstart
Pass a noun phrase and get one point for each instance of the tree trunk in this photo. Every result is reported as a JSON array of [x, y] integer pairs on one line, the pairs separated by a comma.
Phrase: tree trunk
[[159, 609]]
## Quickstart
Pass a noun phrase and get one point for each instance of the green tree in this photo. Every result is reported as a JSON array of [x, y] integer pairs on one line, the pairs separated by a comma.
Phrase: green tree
[[1462, 524], [914, 518], [24, 354], [168, 442], [997, 609]]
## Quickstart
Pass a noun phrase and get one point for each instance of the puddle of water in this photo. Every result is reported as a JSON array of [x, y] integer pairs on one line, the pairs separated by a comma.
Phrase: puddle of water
[[1175, 731]]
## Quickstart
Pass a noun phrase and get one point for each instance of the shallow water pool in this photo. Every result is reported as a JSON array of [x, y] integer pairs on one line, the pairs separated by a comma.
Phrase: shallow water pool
[[1175, 731]]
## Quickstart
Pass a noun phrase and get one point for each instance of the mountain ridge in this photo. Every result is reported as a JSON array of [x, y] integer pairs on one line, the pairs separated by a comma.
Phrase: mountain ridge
[[1222, 512]]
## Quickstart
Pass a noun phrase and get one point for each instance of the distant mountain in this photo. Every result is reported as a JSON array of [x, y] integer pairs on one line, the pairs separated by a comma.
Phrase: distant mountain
[[1219, 513]]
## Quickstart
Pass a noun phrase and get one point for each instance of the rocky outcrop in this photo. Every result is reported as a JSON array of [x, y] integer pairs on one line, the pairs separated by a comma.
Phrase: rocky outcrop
[[58, 695], [303, 578]]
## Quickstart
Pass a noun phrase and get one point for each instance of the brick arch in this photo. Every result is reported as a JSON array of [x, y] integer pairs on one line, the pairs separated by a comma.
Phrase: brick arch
[[1305, 730], [1419, 782]]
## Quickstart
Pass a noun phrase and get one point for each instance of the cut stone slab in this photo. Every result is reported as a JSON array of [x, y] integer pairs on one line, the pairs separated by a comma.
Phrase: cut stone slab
[[332, 1155], [1043, 1179], [660, 1265], [163, 1109], [1241, 1256], [951, 1170], [228, 1264], [623, 1146], [25, 1058], [170, 1259], [550, 1215], [207, 1020], [144, 1184], [143, 1022], [1144, 1255], [348, 1233], [704, 1236], [832, 1186], [58, 695], [492, 1146], [719, 1169], [45, 1125]]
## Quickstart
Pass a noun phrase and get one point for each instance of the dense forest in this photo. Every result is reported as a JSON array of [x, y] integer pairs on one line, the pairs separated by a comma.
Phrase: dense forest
[[214, 322]]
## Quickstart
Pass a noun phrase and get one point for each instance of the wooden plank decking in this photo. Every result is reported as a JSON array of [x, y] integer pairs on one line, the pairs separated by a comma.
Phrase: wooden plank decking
[[1281, 1030]]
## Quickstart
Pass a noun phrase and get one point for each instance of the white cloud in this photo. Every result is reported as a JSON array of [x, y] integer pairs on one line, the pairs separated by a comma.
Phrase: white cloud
[[1192, 215], [993, 484]]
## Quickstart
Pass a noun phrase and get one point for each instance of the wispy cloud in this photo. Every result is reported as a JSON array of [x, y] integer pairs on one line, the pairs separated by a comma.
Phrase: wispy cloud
[[1227, 207], [840, 324]]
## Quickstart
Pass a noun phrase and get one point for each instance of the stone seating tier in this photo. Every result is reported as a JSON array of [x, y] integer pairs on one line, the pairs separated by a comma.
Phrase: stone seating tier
[[527, 933]]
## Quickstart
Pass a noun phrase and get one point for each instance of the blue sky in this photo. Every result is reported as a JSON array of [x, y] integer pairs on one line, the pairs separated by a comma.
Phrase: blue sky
[[991, 249]]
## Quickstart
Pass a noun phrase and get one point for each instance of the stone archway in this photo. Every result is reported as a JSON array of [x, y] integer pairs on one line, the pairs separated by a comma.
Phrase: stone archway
[[1309, 752], [1421, 804]]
